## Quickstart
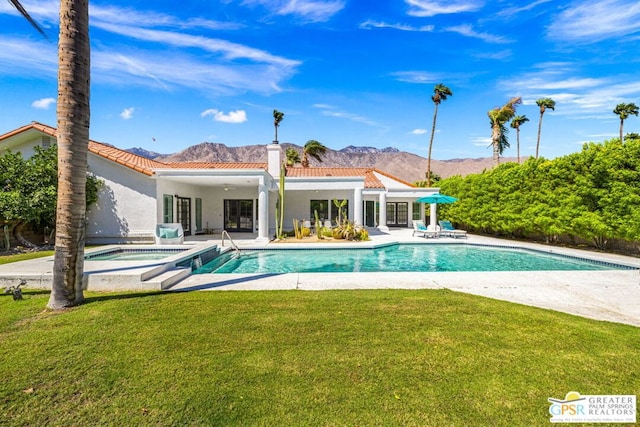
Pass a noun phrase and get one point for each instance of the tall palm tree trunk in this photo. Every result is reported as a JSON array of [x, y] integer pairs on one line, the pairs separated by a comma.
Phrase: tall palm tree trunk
[[539, 131], [518, 143], [73, 115], [433, 131], [495, 138], [621, 126]]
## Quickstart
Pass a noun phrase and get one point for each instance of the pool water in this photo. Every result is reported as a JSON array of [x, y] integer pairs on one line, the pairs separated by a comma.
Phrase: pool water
[[398, 258], [133, 255]]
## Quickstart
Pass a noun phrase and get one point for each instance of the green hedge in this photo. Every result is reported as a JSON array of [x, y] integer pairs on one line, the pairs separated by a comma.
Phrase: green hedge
[[592, 195]]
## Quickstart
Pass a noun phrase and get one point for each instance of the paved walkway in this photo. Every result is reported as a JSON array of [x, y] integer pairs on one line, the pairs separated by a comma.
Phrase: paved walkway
[[611, 295]]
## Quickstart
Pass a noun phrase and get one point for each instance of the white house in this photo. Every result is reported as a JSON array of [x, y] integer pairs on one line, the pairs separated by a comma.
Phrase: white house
[[139, 193]]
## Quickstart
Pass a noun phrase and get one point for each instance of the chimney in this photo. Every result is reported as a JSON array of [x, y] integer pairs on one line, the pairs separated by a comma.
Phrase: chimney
[[274, 158]]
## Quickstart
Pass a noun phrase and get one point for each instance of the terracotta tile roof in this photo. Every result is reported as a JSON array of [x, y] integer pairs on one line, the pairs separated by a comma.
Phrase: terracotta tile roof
[[369, 175], [372, 181], [124, 158], [33, 125], [300, 172], [134, 161], [147, 166], [215, 165]]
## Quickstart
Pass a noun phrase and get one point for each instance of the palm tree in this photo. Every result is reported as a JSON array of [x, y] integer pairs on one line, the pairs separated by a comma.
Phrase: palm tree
[[440, 93], [624, 110], [497, 118], [277, 118], [543, 103], [292, 156], [516, 123], [313, 149], [28, 17], [73, 114]]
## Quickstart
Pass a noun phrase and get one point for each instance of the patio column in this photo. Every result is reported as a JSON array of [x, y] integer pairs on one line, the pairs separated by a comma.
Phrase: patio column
[[382, 226], [357, 208], [433, 224], [263, 213]]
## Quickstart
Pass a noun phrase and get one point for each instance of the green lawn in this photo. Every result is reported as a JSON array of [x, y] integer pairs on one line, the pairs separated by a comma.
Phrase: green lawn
[[6, 259], [294, 358]]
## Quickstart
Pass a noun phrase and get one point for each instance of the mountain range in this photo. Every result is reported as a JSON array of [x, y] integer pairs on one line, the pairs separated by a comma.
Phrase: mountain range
[[401, 164]]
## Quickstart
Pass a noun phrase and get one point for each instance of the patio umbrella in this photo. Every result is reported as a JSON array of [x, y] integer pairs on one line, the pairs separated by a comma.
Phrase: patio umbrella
[[434, 200]]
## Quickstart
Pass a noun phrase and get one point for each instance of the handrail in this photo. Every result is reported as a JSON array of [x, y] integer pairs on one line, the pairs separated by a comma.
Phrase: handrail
[[233, 244]]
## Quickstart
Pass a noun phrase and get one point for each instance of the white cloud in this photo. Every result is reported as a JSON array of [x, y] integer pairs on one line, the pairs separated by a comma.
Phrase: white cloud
[[323, 106], [313, 11], [129, 16], [306, 10], [576, 97], [417, 77], [425, 8], [596, 20], [499, 56], [43, 103], [170, 58], [418, 131], [402, 27], [127, 113], [229, 50], [238, 116], [330, 111], [468, 31], [28, 57], [481, 141], [170, 69], [511, 11]]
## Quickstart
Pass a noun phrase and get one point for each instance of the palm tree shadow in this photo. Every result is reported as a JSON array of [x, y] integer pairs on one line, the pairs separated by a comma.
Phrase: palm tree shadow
[[121, 296]]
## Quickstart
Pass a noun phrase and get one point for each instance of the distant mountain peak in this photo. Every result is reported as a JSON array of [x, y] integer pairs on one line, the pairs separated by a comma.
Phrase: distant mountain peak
[[407, 166], [368, 150], [144, 153]]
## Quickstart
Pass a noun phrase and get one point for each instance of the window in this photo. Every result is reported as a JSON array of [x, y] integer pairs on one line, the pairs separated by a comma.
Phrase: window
[[184, 214], [198, 214], [416, 211], [322, 206], [397, 214], [167, 208], [238, 215]]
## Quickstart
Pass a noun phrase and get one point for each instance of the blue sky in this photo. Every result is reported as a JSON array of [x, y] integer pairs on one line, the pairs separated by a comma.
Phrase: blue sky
[[344, 72]]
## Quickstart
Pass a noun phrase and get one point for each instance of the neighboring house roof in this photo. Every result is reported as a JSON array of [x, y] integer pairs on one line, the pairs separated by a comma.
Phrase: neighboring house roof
[[147, 166]]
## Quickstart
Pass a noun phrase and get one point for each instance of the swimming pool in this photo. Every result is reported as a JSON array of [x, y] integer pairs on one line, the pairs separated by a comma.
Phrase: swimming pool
[[399, 258], [134, 254]]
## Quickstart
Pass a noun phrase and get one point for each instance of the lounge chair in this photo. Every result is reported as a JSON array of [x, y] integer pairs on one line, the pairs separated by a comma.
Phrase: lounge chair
[[169, 233], [420, 228], [447, 229]]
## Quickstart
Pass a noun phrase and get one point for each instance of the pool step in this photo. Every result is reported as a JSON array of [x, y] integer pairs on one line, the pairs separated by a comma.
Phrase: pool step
[[168, 278]]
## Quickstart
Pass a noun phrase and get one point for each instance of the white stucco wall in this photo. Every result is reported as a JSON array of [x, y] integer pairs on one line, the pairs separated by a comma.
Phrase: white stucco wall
[[126, 205]]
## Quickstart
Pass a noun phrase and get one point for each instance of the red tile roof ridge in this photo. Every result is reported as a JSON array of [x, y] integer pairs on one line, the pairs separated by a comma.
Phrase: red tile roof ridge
[[216, 165]]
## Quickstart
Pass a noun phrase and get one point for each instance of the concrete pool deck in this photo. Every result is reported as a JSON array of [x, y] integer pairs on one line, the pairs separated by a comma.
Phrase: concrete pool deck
[[610, 295]]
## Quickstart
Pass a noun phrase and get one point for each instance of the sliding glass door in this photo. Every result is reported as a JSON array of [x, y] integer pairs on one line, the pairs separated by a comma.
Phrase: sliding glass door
[[238, 215]]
